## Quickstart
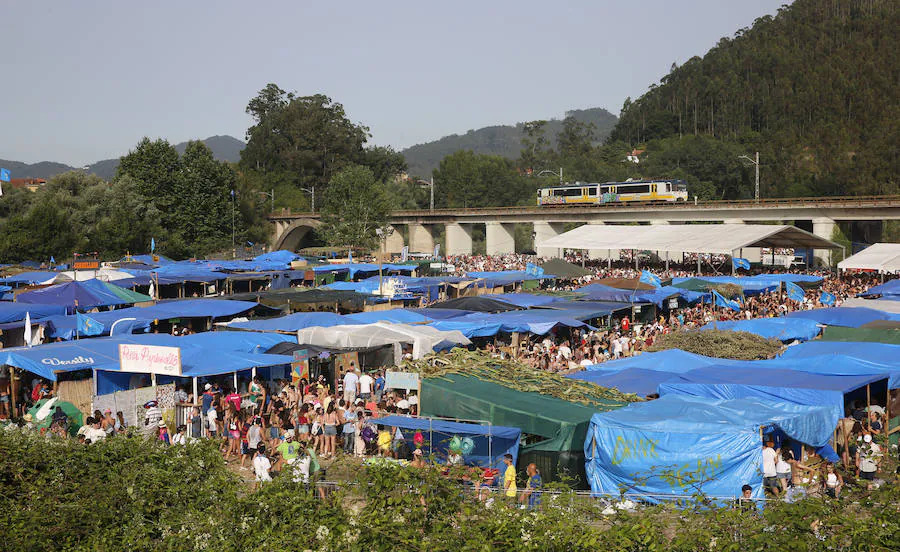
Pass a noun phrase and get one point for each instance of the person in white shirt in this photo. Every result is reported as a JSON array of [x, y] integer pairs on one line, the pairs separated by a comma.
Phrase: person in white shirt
[[366, 386], [180, 437], [770, 472], [212, 416], [351, 385], [94, 433], [262, 465]]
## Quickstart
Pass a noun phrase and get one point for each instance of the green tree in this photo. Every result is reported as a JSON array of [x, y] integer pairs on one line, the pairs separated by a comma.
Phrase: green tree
[[535, 146], [356, 208], [466, 179], [155, 166]]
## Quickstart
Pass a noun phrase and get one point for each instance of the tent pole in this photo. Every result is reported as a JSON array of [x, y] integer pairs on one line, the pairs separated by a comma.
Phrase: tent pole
[[868, 405], [609, 259], [667, 263], [12, 390], [235, 379], [583, 254], [153, 380], [635, 253], [196, 391]]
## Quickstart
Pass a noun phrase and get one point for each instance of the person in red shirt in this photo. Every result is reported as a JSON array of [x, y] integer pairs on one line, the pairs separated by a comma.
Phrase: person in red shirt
[[626, 323], [235, 399]]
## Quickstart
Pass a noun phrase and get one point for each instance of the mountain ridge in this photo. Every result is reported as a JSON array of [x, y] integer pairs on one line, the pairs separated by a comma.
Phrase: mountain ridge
[[224, 148]]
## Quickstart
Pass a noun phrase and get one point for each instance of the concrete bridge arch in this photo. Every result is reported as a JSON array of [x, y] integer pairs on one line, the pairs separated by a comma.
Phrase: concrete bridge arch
[[295, 234]]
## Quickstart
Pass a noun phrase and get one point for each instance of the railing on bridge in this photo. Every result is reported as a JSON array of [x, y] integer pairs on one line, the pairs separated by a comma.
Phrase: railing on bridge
[[820, 202]]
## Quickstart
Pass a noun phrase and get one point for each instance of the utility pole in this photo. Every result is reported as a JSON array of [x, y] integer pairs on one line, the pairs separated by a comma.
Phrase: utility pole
[[756, 163], [431, 202]]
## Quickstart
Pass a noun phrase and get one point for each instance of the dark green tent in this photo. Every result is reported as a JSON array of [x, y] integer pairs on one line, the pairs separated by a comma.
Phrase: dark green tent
[[872, 335], [76, 419], [564, 270], [553, 430], [695, 284]]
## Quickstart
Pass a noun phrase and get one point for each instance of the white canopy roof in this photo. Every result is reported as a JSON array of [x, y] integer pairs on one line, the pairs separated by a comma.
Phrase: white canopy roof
[[693, 238], [885, 305], [424, 339], [883, 257]]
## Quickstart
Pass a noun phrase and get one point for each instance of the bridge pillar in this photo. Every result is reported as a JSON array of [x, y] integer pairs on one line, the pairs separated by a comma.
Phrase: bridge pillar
[[544, 231], [824, 228], [421, 239], [394, 242], [499, 238], [459, 238]]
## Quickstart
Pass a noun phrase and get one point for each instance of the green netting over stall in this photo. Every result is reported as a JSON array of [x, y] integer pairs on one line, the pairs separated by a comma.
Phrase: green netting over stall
[[561, 425], [871, 335]]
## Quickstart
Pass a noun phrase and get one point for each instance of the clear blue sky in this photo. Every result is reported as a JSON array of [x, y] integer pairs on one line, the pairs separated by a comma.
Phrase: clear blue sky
[[84, 81]]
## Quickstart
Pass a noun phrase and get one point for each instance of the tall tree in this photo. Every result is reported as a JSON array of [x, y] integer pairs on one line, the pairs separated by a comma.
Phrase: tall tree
[[356, 208]]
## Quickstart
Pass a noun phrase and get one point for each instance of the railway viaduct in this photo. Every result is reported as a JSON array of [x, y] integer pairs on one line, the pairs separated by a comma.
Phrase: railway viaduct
[[819, 215]]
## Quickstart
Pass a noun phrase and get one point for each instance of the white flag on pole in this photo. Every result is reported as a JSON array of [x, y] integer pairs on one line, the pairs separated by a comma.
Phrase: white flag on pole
[[28, 329], [152, 291]]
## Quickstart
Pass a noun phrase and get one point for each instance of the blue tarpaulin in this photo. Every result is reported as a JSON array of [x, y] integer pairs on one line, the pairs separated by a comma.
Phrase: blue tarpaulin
[[85, 295], [851, 317], [364, 268], [505, 277], [490, 442], [600, 292], [733, 382], [202, 354], [292, 322], [716, 440], [397, 316], [830, 355], [29, 278], [537, 321], [783, 329], [442, 314], [527, 300], [640, 381], [888, 290], [674, 361], [589, 310], [14, 312], [64, 326]]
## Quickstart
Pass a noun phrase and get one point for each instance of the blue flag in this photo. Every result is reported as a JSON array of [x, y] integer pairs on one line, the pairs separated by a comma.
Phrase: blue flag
[[721, 301], [4, 175], [650, 278], [52, 260], [740, 263], [152, 245], [350, 256], [794, 291], [827, 299], [88, 326]]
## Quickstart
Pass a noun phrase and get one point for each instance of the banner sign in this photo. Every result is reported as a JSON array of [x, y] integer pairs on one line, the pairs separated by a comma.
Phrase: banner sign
[[300, 366], [150, 359], [401, 380]]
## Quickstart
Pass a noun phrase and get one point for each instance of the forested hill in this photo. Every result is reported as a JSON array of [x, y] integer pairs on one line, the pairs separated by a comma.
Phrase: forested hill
[[502, 140], [813, 88]]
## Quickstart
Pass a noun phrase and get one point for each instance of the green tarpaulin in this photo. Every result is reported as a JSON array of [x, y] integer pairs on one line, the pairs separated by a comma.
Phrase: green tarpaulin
[[128, 295], [695, 284], [75, 416], [564, 270], [839, 333], [555, 429]]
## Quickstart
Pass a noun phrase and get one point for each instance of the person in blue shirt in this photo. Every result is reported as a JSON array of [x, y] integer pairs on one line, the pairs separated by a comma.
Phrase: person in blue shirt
[[379, 386], [532, 492]]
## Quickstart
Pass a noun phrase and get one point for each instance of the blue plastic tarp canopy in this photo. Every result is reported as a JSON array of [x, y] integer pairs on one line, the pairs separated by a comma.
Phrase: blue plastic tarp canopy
[[589, 310], [281, 256], [888, 290], [85, 295], [640, 381], [752, 285], [600, 292], [14, 312], [659, 447], [292, 322], [364, 268], [775, 384], [502, 278], [538, 322], [674, 361], [851, 317], [397, 316], [148, 260], [138, 319], [783, 329], [527, 300], [179, 272], [831, 355], [103, 353], [490, 442], [30, 278], [442, 314]]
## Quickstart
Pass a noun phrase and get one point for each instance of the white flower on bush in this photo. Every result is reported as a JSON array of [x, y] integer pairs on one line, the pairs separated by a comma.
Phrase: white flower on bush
[[322, 532]]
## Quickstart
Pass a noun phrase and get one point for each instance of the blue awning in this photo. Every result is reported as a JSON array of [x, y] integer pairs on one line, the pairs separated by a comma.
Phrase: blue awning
[[783, 329], [851, 317]]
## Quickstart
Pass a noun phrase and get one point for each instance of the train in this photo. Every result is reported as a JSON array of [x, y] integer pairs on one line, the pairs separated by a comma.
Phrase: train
[[582, 193]]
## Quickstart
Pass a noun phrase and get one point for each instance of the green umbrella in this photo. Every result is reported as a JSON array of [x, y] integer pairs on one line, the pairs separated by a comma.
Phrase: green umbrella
[[76, 419]]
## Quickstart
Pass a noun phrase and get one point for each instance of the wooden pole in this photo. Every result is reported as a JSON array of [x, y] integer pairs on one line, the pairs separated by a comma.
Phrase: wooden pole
[[868, 405], [12, 389]]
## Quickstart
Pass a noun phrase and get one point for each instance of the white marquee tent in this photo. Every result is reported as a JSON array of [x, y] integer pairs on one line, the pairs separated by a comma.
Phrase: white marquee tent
[[883, 257], [424, 339], [693, 238]]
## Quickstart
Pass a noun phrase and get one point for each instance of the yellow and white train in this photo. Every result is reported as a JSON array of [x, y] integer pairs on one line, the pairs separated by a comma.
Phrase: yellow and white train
[[614, 192]]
